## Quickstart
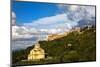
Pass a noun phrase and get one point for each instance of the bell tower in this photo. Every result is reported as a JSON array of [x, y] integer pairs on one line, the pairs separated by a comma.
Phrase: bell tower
[[37, 45]]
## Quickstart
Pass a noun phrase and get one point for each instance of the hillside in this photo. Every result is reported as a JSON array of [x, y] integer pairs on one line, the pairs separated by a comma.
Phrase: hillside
[[74, 47]]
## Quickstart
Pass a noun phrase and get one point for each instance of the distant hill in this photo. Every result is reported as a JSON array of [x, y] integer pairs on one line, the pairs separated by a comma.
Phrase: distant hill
[[74, 47]]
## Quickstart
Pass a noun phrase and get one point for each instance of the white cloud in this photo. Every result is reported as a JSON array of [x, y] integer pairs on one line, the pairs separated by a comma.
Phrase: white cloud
[[52, 19], [53, 24], [13, 18], [73, 7], [23, 32], [77, 12], [51, 31], [54, 31], [49, 20]]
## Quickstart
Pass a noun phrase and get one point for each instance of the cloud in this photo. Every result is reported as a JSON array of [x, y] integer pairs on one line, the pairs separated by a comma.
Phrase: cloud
[[72, 16], [77, 12], [13, 18], [73, 7], [50, 31], [52, 19], [52, 22], [23, 32], [48, 20]]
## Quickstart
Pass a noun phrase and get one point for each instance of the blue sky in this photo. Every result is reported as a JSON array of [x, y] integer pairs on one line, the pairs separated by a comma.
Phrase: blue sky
[[34, 19], [27, 12]]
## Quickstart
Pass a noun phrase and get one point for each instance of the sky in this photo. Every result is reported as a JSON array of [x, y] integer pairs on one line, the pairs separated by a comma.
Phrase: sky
[[27, 11], [33, 21]]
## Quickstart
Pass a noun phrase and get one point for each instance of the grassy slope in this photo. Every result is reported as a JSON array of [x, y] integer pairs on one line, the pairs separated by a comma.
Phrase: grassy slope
[[83, 48]]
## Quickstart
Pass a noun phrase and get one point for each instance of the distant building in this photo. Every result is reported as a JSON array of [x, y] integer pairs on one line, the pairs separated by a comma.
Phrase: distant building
[[78, 29], [60, 35], [56, 36], [36, 53], [88, 26]]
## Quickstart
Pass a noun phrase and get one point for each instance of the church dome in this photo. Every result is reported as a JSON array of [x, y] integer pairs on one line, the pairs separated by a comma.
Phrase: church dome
[[36, 53]]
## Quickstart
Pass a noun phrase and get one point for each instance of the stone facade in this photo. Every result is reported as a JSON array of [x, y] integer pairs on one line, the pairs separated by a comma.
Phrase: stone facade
[[36, 53], [56, 36]]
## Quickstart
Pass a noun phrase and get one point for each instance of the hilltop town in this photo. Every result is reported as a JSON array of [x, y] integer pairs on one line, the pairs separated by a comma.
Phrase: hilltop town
[[60, 35]]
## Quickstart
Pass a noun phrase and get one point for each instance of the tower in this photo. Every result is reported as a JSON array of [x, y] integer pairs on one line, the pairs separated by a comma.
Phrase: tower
[[36, 53]]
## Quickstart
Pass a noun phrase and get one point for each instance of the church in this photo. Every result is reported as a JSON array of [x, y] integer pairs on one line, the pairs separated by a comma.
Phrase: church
[[36, 53]]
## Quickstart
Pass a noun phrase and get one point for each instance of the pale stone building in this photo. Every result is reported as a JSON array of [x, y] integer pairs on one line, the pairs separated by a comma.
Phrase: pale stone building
[[78, 29], [57, 36], [36, 53], [60, 35]]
